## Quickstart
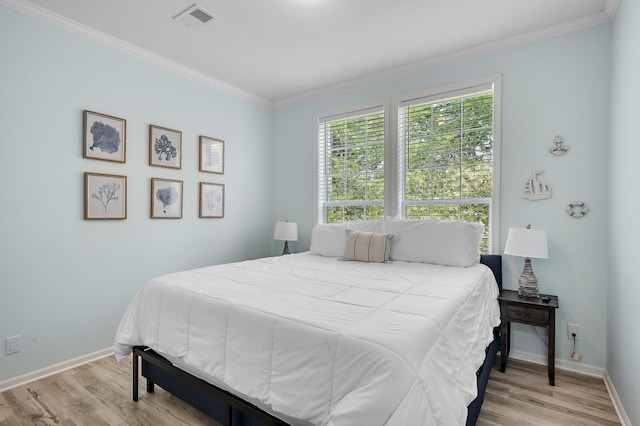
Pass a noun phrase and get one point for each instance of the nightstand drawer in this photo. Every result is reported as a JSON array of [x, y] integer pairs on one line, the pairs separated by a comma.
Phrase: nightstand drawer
[[528, 315]]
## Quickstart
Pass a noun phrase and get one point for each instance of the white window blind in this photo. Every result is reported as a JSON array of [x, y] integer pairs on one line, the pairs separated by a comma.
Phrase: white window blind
[[445, 157], [351, 166]]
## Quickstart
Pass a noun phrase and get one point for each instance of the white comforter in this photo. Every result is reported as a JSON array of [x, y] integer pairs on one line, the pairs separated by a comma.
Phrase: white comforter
[[324, 341]]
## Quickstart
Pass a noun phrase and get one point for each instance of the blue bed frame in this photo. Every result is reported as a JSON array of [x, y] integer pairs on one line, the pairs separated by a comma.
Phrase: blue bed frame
[[231, 410]]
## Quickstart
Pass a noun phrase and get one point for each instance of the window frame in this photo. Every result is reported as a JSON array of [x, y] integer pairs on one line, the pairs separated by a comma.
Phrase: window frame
[[447, 91], [390, 109], [345, 113]]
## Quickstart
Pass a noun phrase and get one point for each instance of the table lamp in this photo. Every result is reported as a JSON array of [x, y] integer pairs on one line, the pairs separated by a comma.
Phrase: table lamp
[[528, 243], [286, 231]]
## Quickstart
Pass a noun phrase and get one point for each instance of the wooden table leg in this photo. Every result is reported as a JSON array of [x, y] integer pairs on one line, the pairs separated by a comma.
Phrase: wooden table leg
[[551, 363], [505, 332], [135, 376]]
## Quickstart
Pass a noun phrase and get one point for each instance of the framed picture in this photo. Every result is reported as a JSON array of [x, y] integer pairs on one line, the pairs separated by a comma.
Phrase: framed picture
[[105, 137], [166, 198], [165, 147], [105, 196], [211, 155], [211, 200]]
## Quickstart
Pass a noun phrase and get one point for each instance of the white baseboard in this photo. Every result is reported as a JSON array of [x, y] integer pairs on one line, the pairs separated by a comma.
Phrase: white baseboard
[[54, 369], [617, 403], [561, 364]]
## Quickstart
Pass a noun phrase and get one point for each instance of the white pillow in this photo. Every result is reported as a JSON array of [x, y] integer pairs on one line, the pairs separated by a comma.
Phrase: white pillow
[[449, 243], [329, 239]]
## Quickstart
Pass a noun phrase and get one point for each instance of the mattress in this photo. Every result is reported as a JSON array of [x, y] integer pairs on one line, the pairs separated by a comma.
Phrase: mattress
[[321, 341]]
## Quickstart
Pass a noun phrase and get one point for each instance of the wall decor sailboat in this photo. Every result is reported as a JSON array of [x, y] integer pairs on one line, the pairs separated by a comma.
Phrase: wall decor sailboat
[[534, 189]]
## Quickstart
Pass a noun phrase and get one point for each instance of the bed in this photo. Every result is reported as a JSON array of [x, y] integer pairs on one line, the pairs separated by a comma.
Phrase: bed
[[312, 339]]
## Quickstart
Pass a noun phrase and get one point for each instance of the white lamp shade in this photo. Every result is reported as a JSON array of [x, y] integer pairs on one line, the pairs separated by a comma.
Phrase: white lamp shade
[[286, 231], [527, 243]]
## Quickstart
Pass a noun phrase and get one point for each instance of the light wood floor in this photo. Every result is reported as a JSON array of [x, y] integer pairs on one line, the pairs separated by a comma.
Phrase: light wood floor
[[100, 394]]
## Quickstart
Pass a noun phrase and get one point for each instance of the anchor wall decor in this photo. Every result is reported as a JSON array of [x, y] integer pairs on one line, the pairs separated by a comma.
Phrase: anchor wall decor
[[558, 149], [534, 189]]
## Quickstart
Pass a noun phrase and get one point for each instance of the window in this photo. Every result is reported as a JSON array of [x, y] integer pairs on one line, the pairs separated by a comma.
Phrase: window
[[445, 157], [351, 166], [441, 159]]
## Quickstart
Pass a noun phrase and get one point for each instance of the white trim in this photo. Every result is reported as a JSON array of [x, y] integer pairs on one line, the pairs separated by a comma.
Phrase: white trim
[[494, 82], [67, 24], [611, 8], [54, 369], [337, 113], [592, 20], [561, 364], [615, 399]]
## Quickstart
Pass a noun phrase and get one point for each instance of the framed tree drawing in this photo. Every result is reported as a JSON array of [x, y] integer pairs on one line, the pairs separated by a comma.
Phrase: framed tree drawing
[[105, 196], [166, 199], [165, 147], [105, 137], [211, 155], [211, 200]]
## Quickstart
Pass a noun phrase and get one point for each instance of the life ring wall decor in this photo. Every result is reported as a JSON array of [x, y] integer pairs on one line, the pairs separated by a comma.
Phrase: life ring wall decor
[[577, 209]]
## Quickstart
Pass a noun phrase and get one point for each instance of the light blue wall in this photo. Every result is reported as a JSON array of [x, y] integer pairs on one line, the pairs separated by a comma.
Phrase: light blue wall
[[623, 285], [557, 86], [64, 281]]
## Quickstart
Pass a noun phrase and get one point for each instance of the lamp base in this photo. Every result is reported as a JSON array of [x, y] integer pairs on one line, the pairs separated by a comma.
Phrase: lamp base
[[528, 283], [527, 292], [285, 250]]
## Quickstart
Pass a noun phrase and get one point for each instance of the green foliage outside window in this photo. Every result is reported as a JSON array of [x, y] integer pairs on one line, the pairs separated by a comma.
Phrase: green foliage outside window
[[446, 151], [448, 163], [355, 179]]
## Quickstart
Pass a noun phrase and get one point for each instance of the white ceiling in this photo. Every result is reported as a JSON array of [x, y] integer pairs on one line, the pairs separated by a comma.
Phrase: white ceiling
[[279, 49]]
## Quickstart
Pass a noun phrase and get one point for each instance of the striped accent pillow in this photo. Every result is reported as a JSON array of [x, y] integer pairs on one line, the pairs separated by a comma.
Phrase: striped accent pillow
[[367, 246]]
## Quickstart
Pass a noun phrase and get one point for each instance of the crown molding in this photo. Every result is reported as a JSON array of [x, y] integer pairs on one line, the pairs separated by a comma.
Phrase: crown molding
[[604, 16], [496, 46], [611, 8], [82, 30]]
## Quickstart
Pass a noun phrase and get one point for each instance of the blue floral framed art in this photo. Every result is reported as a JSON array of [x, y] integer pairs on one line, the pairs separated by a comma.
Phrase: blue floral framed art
[[105, 196], [105, 137], [165, 147], [166, 198]]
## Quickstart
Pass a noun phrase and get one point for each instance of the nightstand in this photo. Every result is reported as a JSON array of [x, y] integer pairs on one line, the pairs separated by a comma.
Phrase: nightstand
[[528, 311]]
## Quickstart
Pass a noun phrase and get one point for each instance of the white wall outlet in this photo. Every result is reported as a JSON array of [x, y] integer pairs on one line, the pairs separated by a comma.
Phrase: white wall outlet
[[571, 329], [12, 345]]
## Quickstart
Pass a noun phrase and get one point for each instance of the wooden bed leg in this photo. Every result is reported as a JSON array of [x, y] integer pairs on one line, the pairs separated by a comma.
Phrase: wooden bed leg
[[135, 376]]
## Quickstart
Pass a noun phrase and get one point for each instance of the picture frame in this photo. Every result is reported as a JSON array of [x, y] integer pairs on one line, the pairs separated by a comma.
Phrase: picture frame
[[105, 196], [211, 155], [165, 147], [211, 200], [105, 137], [166, 198]]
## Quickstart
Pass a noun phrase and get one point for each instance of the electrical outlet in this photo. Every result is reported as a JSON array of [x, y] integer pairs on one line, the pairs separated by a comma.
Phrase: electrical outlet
[[571, 329], [12, 345]]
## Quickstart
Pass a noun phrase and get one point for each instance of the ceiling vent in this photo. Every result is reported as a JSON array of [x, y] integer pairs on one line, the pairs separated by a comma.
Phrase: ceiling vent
[[194, 16]]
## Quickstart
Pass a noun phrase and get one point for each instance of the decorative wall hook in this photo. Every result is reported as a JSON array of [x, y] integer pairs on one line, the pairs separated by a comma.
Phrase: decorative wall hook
[[534, 189], [558, 149], [577, 209]]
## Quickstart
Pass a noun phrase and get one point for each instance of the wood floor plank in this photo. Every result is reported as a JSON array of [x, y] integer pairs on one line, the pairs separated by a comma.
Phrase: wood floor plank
[[99, 393], [522, 395]]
